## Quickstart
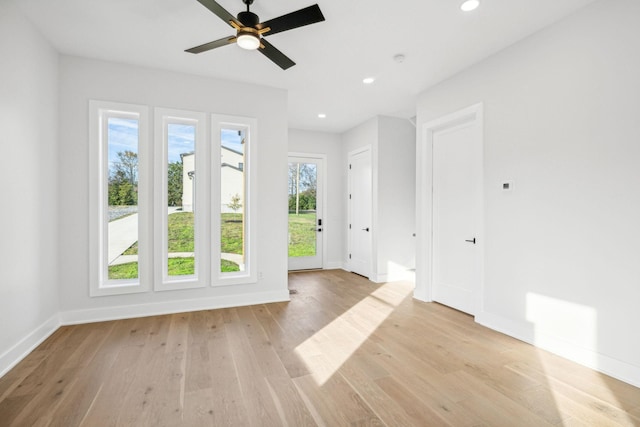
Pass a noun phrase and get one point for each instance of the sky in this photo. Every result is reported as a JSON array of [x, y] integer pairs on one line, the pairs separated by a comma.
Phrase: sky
[[181, 140], [123, 135]]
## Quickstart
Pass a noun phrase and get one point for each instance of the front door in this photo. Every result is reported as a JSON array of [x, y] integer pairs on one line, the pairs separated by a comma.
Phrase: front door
[[456, 212], [360, 208], [305, 213]]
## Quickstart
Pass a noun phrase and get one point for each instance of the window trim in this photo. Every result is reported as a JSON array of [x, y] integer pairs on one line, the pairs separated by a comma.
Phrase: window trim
[[99, 113], [162, 118], [152, 170], [249, 276]]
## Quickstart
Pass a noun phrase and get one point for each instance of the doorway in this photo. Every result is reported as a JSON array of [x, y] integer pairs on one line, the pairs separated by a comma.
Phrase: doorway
[[450, 244], [360, 212], [305, 235]]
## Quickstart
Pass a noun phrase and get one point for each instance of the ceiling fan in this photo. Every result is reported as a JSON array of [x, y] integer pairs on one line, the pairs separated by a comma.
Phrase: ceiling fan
[[250, 32]]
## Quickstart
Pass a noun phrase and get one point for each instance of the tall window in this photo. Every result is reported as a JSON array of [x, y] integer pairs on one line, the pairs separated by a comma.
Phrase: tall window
[[200, 230], [179, 208], [122, 143], [234, 139], [118, 197]]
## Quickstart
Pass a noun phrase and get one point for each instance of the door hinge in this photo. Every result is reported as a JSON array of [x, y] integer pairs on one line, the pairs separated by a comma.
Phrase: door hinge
[[349, 196], [349, 226], [349, 166], [349, 256]]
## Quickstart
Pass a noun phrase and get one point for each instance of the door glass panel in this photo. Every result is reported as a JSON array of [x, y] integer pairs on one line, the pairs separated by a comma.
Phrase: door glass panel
[[122, 232], [181, 203], [233, 192], [303, 185]]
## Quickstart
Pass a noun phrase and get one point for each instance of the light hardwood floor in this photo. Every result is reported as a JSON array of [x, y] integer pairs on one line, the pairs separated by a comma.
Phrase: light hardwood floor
[[343, 352]]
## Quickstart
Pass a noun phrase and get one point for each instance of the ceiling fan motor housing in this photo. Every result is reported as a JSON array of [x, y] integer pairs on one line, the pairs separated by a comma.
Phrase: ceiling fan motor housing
[[248, 19]]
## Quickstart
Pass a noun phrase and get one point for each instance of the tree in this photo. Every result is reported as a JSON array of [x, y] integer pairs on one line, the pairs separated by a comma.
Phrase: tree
[[174, 183], [308, 178], [123, 179], [127, 195], [302, 186], [127, 166], [235, 202]]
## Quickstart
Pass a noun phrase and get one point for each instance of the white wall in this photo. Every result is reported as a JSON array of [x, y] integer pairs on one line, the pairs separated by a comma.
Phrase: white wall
[[82, 80], [328, 144], [396, 198], [392, 143], [28, 218], [561, 120]]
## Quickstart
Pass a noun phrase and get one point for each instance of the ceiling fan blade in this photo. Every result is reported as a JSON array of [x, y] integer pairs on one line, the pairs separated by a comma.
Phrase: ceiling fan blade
[[212, 45], [220, 11], [299, 18], [275, 55]]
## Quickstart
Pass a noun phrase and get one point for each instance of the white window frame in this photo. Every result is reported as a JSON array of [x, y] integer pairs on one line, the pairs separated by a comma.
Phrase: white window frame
[[162, 118], [249, 275], [99, 113]]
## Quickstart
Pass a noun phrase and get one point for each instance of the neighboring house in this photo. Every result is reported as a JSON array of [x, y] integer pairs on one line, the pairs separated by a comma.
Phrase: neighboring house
[[188, 180], [231, 177]]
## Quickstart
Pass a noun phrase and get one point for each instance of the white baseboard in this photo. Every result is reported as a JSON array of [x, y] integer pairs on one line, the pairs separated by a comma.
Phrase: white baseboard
[[378, 278], [74, 317], [334, 265], [396, 276], [15, 354], [592, 359]]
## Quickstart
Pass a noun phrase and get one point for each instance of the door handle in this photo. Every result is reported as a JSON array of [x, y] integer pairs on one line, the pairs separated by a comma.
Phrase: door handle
[[319, 229], [366, 229], [471, 241]]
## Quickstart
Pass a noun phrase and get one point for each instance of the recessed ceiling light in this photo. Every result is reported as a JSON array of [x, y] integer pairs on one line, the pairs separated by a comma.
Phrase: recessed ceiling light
[[322, 116], [368, 80], [469, 5]]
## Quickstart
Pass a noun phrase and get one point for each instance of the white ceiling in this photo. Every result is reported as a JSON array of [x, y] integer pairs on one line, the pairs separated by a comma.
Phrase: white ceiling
[[358, 39]]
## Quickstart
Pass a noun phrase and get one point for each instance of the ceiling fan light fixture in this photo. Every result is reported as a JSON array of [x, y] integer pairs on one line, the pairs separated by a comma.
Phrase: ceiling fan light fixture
[[248, 40], [469, 5], [249, 30]]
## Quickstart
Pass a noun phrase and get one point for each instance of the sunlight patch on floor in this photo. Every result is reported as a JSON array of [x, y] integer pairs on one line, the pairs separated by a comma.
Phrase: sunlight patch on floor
[[329, 348]]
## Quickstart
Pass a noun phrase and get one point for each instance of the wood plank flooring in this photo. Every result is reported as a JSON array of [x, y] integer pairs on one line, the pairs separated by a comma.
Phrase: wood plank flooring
[[343, 352]]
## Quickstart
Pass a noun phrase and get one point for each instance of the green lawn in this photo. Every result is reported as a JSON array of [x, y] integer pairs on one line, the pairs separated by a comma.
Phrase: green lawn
[[176, 267], [180, 232], [181, 239], [231, 229], [302, 234], [123, 271]]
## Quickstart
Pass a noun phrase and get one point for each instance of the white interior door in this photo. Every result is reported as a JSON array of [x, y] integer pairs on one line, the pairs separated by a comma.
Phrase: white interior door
[[305, 213], [360, 215], [457, 171]]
